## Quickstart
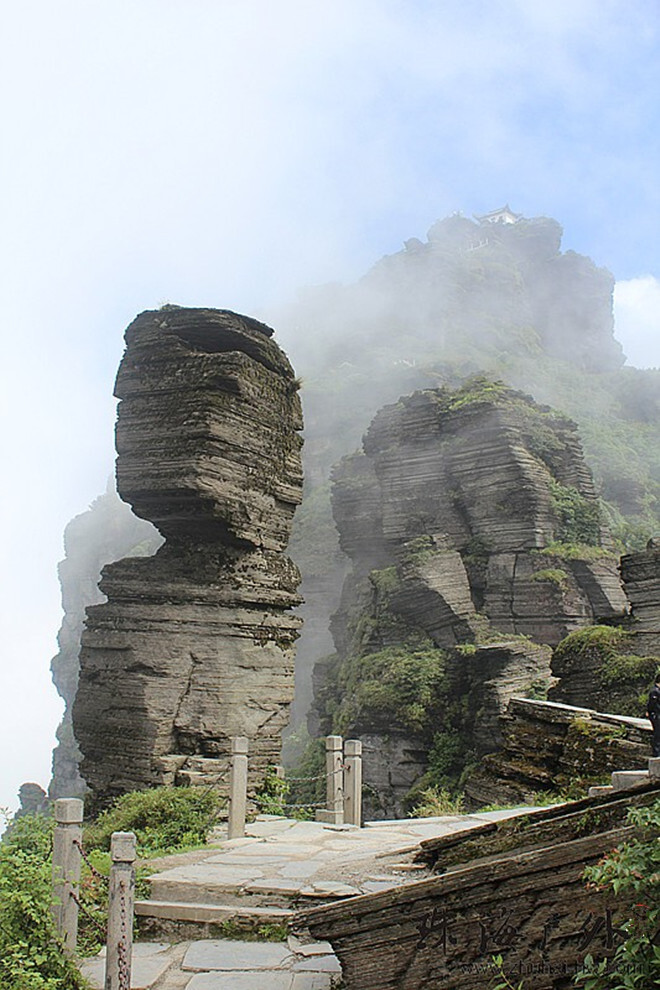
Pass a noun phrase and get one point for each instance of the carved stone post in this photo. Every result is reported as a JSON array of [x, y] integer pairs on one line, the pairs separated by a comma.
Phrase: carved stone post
[[353, 782], [121, 897], [238, 780], [334, 812], [67, 840]]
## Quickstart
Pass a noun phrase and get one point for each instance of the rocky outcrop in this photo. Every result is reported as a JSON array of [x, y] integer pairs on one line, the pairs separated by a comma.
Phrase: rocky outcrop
[[106, 532], [641, 578], [549, 747], [474, 531], [195, 644], [470, 297], [613, 668], [599, 666], [484, 501], [463, 722]]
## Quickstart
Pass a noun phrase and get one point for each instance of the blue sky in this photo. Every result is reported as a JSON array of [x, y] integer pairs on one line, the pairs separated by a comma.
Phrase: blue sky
[[217, 153]]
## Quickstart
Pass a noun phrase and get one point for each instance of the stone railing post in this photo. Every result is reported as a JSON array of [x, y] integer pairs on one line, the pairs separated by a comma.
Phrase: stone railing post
[[238, 780], [333, 814], [67, 840], [353, 782], [121, 897]]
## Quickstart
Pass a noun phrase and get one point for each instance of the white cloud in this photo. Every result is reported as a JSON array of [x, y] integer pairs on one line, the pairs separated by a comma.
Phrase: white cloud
[[637, 320]]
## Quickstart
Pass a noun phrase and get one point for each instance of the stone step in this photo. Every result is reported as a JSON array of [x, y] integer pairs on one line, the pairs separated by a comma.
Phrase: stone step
[[622, 780], [277, 892], [197, 920], [654, 768]]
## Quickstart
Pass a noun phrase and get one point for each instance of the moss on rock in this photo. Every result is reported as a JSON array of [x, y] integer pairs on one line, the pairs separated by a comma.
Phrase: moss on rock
[[594, 664], [393, 686]]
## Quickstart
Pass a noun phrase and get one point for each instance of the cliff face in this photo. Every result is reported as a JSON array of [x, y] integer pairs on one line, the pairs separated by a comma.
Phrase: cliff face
[[195, 645], [471, 521], [106, 532], [641, 578], [613, 669], [484, 502], [497, 299]]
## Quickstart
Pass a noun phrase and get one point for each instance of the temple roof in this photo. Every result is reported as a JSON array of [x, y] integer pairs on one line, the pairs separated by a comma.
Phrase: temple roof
[[504, 215]]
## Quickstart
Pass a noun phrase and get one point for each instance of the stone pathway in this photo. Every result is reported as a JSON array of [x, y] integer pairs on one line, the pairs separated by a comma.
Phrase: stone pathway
[[222, 964], [280, 865]]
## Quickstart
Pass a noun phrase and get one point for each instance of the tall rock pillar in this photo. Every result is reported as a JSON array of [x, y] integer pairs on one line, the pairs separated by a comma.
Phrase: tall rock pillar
[[195, 644]]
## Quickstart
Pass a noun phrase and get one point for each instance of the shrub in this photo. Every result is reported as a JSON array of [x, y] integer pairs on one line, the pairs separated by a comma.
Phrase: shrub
[[607, 640], [578, 517], [31, 951], [574, 550], [164, 819], [270, 798], [434, 802], [632, 871]]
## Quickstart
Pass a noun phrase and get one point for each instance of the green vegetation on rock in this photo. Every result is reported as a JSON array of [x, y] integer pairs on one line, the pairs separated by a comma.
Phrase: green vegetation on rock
[[475, 391], [434, 802], [552, 575], [620, 680], [607, 640], [579, 518], [394, 685], [574, 551], [630, 873]]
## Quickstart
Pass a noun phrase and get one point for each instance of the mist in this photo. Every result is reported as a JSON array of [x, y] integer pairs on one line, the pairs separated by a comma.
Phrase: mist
[[215, 154]]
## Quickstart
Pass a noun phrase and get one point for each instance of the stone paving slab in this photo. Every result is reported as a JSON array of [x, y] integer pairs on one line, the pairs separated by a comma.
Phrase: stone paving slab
[[230, 965], [243, 981], [212, 874], [254, 981], [228, 955], [318, 964], [150, 961], [306, 949], [302, 870], [278, 885], [221, 964]]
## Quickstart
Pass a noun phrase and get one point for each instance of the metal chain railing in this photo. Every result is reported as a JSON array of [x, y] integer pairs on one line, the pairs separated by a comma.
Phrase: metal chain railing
[[82, 907], [319, 776], [90, 866], [122, 947]]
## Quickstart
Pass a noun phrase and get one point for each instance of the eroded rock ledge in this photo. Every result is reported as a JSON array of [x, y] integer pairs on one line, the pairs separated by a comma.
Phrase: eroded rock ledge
[[195, 644], [476, 542]]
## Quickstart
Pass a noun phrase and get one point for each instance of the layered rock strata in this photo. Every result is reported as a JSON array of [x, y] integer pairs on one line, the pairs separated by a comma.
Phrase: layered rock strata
[[614, 668], [107, 531], [484, 502], [547, 747], [473, 527], [195, 644], [465, 723], [512, 889], [641, 578]]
